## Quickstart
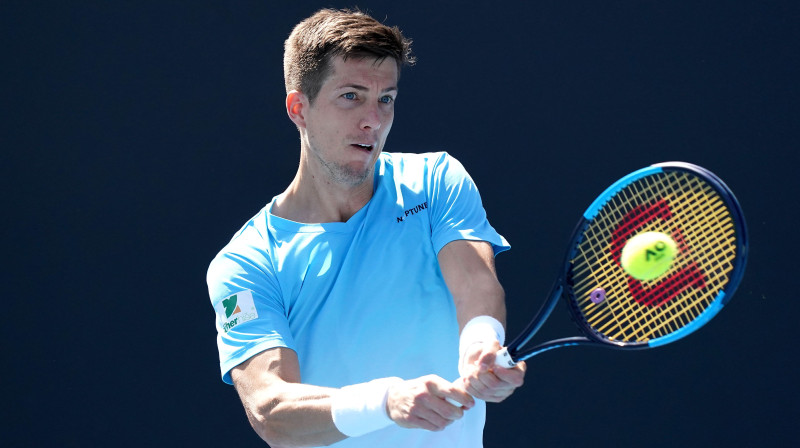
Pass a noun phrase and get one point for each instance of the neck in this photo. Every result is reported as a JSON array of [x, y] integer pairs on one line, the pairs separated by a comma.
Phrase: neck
[[314, 197]]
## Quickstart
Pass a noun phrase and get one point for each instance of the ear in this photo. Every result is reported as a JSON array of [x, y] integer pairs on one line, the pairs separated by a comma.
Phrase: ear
[[296, 104]]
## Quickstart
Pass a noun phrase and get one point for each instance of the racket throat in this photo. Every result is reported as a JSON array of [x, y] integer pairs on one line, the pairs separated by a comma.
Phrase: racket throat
[[558, 343], [537, 322]]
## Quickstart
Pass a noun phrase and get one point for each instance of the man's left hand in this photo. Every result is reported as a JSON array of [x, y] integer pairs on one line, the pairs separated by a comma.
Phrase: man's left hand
[[485, 380]]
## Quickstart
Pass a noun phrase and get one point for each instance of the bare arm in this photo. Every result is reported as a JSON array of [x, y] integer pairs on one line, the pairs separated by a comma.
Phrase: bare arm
[[468, 269], [280, 409], [287, 413]]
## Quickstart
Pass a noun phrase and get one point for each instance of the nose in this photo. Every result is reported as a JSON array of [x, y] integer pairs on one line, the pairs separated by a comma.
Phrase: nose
[[371, 119]]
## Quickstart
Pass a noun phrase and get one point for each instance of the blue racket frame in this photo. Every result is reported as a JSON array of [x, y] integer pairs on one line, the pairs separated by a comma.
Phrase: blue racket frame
[[560, 287]]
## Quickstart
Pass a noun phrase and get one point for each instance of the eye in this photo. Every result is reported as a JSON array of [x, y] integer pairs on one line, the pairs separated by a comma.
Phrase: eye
[[386, 99], [349, 96]]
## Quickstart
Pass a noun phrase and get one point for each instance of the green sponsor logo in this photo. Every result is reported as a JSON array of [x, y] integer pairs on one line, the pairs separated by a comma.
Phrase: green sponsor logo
[[230, 305], [237, 313]]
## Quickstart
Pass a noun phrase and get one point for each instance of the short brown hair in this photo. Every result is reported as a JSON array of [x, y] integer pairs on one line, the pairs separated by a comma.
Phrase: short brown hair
[[315, 41]]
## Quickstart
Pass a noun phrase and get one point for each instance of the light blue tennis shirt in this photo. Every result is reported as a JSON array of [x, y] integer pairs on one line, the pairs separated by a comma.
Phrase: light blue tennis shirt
[[361, 299]]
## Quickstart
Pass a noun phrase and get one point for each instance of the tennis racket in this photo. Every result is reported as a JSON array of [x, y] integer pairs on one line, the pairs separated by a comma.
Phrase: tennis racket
[[613, 309]]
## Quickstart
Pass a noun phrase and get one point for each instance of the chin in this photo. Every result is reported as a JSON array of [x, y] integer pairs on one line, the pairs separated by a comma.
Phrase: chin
[[352, 176]]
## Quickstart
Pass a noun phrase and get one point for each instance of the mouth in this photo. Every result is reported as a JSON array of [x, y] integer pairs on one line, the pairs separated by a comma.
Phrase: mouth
[[362, 146]]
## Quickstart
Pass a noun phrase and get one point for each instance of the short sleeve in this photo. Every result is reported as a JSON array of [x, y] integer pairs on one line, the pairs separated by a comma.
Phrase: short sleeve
[[457, 212], [250, 314]]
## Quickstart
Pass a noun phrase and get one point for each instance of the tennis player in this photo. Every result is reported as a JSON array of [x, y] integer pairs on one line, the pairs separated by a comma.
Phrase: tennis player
[[360, 307]]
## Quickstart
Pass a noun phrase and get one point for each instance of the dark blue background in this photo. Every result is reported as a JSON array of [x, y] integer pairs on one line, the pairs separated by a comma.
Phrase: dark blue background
[[138, 136]]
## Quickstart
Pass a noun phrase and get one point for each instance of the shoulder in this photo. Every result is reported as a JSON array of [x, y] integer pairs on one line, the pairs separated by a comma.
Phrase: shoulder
[[413, 167], [246, 252], [402, 159]]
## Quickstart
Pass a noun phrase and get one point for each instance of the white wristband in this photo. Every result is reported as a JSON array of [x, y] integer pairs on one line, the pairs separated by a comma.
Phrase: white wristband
[[479, 329], [361, 408]]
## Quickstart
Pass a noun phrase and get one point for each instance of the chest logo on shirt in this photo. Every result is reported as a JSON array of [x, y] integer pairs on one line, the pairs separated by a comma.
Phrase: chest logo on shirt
[[236, 310], [413, 211]]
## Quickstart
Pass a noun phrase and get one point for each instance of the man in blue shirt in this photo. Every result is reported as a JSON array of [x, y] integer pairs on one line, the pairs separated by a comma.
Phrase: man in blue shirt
[[361, 306]]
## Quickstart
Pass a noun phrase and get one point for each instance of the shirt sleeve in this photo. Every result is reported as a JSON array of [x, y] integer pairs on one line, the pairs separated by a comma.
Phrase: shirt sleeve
[[250, 313], [457, 212]]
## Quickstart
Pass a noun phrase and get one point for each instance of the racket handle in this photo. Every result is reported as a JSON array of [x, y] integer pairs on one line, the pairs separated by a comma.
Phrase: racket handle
[[503, 359], [454, 402]]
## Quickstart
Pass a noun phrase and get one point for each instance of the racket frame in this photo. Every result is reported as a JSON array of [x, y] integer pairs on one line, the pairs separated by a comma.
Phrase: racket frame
[[514, 352]]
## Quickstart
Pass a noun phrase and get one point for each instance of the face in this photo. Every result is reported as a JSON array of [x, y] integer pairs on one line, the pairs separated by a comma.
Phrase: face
[[346, 127]]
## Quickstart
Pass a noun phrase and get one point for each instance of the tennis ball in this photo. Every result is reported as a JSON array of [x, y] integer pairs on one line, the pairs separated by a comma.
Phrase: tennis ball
[[648, 255]]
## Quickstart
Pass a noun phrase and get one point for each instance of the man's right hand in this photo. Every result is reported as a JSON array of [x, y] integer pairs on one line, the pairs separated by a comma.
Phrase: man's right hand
[[422, 403]]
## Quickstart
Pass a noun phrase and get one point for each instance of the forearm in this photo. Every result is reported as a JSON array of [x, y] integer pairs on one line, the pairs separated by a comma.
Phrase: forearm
[[479, 295], [468, 269], [288, 413], [282, 410], [292, 415], [299, 415]]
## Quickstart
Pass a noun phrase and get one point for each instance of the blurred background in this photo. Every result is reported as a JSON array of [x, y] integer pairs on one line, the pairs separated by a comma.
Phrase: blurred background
[[137, 137]]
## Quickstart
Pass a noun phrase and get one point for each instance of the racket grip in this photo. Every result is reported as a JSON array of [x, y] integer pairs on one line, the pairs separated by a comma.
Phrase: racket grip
[[503, 359], [454, 402]]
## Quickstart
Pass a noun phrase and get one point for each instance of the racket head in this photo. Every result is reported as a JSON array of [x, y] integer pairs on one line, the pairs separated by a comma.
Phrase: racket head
[[701, 214]]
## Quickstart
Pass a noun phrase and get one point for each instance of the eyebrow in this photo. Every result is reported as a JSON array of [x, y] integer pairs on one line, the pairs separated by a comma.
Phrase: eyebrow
[[364, 88]]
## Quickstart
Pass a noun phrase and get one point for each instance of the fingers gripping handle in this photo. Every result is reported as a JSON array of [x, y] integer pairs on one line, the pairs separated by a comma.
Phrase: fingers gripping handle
[[502, 359]]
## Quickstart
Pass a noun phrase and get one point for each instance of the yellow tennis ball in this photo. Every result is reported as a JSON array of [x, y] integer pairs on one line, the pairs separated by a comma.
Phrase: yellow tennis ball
[[648, 255]]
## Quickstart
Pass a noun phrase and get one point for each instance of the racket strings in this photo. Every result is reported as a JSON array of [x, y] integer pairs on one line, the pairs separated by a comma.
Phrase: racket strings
[[676, 203], [623, 318], [681, 316], [656, 322]]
